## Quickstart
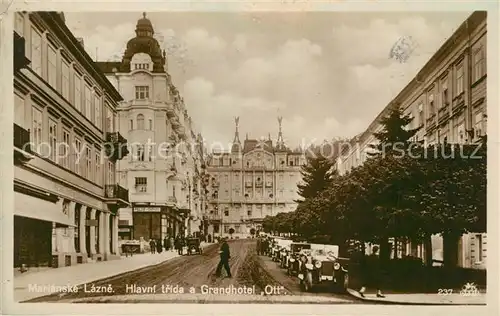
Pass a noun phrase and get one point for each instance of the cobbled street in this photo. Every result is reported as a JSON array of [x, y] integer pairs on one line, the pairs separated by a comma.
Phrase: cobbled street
[[247, 267]]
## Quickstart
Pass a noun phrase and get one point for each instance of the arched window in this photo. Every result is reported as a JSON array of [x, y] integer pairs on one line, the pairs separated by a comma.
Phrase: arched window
[[140, 121]]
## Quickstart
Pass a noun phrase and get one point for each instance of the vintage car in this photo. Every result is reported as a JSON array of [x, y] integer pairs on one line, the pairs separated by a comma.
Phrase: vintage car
[[193, 246], [291, 259], [323, 266]]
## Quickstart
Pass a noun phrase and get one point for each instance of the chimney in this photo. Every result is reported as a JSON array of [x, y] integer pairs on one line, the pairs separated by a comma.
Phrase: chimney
[[80, 40]]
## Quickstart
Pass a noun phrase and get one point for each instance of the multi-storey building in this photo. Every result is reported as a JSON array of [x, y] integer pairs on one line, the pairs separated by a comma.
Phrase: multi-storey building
[[66, 200], [249, 182], [447, 98], [163, 171]]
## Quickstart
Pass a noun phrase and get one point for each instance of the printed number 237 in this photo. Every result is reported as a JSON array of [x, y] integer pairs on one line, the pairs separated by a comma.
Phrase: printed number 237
[[445, 291]]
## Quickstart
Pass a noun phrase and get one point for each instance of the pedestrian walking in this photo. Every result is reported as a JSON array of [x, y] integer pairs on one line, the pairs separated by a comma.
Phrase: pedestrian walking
[[225, 255], [159, 246], [165, 243], [258, 246], [171, 243], [152, 245], [371, 272], [178, 246]]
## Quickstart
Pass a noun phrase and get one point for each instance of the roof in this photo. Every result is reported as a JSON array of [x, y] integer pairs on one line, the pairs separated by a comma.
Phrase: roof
[[472, 22], [56, 21]]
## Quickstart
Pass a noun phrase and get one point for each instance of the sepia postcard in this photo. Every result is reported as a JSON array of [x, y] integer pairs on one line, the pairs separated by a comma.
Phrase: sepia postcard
[[300, 155]]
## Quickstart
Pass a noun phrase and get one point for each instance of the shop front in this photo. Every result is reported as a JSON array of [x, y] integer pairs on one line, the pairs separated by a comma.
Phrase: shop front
[[36, 217]]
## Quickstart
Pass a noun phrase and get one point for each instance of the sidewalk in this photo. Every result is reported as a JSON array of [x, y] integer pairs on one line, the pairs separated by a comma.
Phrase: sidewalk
[[85, 273], [422, 299]]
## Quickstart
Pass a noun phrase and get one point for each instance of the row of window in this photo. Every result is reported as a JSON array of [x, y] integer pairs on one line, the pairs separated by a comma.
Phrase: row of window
[[222, 161], [442, 98], [457, 135], [258, 208], [250, 194], [249, 177], [82, 96], [67, 149]]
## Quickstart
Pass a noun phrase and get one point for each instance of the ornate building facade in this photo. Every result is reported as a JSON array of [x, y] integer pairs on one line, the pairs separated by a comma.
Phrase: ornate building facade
[[164, 169], [249, 182], [447, 98], [66, 200]]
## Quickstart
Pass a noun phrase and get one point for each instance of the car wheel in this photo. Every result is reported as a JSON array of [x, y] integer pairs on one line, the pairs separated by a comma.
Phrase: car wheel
[[346, 281]]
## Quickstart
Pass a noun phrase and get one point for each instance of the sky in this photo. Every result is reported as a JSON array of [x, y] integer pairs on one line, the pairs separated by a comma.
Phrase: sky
[[328, 74]]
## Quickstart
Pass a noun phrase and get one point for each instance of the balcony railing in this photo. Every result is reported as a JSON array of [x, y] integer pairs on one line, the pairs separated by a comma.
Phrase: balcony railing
[[443, 114], [117, 192], [171, 113], [116, 146], [172, 199], [22, 147], [22, 139]]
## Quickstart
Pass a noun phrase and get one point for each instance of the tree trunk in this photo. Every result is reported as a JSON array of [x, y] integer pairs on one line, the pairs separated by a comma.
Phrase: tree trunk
[[396, 248], [450, 250], [385, 250], [428, 251]]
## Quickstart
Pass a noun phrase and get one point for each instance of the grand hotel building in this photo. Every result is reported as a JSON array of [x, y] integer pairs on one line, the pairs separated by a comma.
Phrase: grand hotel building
[[254, 179], [447, 97], [66, 198], [165, 181]]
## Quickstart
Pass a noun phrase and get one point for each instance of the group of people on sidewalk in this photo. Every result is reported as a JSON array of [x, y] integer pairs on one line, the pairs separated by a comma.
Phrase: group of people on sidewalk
[[169, 243]]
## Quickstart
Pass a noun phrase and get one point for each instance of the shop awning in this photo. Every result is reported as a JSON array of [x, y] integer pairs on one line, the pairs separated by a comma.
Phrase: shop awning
[[32, 207]]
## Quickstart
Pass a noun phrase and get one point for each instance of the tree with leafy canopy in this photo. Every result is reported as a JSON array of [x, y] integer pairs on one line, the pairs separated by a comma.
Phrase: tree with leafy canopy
[[317, 174], [395, 135]]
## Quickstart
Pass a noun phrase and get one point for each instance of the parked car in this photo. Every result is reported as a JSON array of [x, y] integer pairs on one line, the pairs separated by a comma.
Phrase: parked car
[[323, 266], [278, 248], [292, 259], [283, 255]]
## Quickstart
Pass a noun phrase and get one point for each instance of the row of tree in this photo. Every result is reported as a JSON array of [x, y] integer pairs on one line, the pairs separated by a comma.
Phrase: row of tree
[[405, 191]]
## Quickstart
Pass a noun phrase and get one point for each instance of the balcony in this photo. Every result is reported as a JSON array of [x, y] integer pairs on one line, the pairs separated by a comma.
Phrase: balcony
[[431, 122], [458, 106], [20, 60], [269, 184], [171, 113], [248, 184], [116, 195], [172, 201], [443, 114], [259, 184], [22, 147], [116, 146], [175, 122], [181, 130]]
